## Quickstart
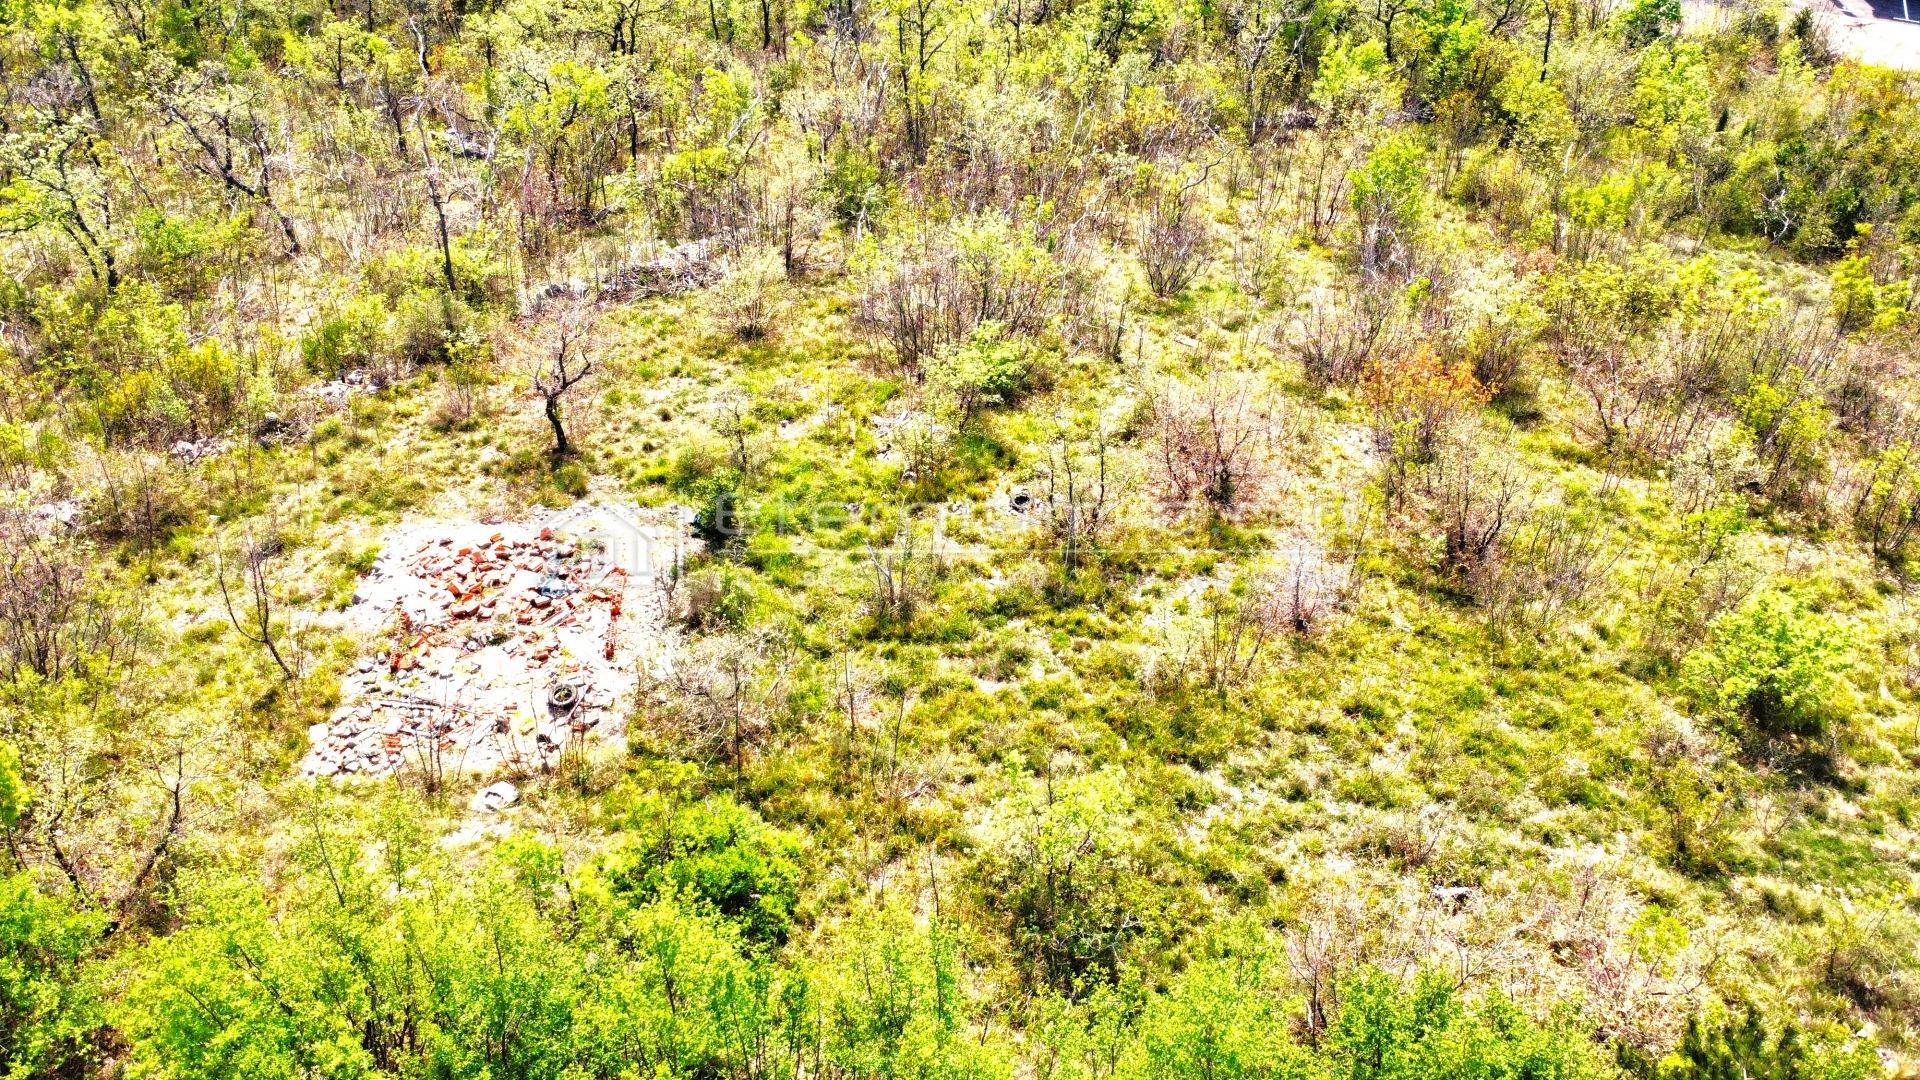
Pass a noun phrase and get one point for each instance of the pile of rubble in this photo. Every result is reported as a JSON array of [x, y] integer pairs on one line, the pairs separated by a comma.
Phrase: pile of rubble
[[501, 645], [692, 265], [274, 427], [336, 393], [193, 451]]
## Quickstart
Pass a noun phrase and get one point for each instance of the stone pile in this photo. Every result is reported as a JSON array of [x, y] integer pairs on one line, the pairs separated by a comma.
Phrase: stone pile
[[334, 394], [500, 647], [192, 451]]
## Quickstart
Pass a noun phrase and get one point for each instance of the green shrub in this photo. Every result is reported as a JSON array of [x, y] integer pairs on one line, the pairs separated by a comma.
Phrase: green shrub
[[715, 853], [1742, 1048], [1388, 1031], [688, 1000], [186, 255], [1219, 1020], [48, 1005], [853, 186], [987, 369], [1645, 21], [407, 965], [569, 478], [1774, 664], [1061, 873], [1225, 1018], [892, 990], [1388, 191], [48, 1008]]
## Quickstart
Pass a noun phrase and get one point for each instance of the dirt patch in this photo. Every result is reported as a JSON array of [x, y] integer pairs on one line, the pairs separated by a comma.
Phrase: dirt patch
[[1885, 33], [1882, 32], [502, 645]]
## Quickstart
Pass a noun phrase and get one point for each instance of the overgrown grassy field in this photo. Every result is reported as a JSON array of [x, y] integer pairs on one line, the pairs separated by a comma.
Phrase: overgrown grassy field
[[1260, 538]]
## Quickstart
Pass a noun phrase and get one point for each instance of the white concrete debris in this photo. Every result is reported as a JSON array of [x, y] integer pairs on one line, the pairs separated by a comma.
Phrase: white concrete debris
[[502, 645], [66, 513], [494, 797], [191, 451], [334, 394]]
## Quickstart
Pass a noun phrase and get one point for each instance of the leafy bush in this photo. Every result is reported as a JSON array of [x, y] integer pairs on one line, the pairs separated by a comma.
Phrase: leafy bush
[[48, 1005], [1224, 1018], [853, 186], [690, 1000], [1644, 21], [346, 339], [1416, 402], [1697, 796], [406, 965], [893, 994], [1860, 303], [1790, 431], [1388, 191], [1888, 509], [1386, 1031], [186, 255], [1059, 873], [1775, 664], [1218, 1020], [715, 853], [988, 369], [1730, 1048]]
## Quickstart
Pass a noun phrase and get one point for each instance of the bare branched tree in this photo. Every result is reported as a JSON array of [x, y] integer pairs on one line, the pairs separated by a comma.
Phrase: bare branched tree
[[1237, 625], [1338, 335], [932, 289], [176, 768], [1548, 568], [54, 612], [242, 577], [1078, 496], [1339, 929], [1257, 27], [1173, 245], [1477, 497], [1213, 445], [852, 698], [236, 146], [566, 363], [1174, 242], [437, 196], [1314, 585], [899, 575], [733, 421], [722, 695], [750, 296]]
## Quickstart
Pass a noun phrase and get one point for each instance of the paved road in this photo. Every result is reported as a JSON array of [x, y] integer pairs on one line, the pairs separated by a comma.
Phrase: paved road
[[1896, 9]]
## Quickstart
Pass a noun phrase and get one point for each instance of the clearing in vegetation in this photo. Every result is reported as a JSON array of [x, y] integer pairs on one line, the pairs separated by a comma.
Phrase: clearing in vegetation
[[503, 645]]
